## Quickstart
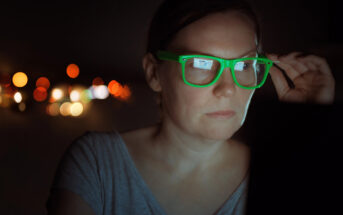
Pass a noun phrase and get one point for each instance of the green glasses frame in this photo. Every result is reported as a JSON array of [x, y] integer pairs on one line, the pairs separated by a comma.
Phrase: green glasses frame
[[167, 55]]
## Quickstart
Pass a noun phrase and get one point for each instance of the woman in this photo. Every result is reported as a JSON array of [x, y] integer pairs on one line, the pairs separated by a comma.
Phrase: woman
[[188, 163]]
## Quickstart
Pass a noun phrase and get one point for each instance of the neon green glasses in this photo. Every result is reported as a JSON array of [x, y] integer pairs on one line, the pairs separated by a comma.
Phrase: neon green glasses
[[204, 70]]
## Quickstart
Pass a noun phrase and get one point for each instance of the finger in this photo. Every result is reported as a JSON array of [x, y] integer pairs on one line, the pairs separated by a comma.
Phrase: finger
[[291, 55], [320, 63], [309, 64], [287, 67], [279, 81], [299, 66]]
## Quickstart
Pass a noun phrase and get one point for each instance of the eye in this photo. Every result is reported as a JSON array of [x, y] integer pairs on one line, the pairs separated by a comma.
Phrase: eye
[[242, 65], [246, 65]]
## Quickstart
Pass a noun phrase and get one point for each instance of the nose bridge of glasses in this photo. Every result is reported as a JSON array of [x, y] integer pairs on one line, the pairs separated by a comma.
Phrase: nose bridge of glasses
[[226, 64]]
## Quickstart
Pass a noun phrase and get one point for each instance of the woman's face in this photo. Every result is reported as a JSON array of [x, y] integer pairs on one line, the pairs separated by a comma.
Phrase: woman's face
[[226, 35]]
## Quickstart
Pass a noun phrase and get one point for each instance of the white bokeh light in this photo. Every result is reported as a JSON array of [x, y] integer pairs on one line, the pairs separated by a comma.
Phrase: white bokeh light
[[75, 96], [18, 97], [57, 93], [100, 92]]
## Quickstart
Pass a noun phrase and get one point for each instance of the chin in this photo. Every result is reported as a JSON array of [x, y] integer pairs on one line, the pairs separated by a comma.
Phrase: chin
[[220, 133]]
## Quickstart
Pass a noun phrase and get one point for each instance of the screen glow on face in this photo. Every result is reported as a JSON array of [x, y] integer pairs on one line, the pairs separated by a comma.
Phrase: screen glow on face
[[199, 69], [202, 63]]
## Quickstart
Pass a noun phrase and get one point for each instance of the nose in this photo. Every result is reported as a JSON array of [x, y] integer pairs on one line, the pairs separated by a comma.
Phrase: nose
[[225, 85]]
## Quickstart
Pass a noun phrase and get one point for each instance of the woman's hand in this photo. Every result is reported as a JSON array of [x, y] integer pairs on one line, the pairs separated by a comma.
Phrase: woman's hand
[[311, 76]]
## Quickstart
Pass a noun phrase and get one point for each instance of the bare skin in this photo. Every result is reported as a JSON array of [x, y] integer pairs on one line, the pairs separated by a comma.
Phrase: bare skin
[[192, 141], [311, 75], [189, 161], [197, 192]]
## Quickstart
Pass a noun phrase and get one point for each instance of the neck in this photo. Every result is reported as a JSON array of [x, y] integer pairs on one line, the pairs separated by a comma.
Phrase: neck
[[188, 152]]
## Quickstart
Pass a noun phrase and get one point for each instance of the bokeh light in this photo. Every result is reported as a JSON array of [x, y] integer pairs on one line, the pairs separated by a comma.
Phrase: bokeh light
[[5, 80], [18, 97], [76, 109], [97, 81], [73, 70], [114, 87], [57, 94], [5, 102], [74, 95], [100, 92], [43, 82], [125, 93], [86, 96], [10, 90], [40, 94], [19, 79], [22, 107], [65, 109], [53, 109]]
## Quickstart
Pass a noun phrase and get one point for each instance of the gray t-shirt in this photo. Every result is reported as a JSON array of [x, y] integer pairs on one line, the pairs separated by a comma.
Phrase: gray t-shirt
[[98, 167]]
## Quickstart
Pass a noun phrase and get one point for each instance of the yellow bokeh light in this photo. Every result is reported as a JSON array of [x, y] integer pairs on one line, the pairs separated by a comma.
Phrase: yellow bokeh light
[[19, 79], [76, 109], [65, 109]]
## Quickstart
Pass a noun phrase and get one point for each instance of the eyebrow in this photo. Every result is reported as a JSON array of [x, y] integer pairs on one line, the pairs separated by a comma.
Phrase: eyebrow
[[248, 53]]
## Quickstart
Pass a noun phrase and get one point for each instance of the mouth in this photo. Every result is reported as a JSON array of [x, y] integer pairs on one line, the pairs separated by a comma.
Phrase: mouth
[[222, 114]]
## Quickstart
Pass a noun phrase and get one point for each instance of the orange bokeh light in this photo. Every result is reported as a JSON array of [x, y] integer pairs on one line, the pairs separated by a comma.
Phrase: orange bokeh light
[[40, 94], [114, 88], [73, 70], [125, 92], [43, 82], [97, 81]]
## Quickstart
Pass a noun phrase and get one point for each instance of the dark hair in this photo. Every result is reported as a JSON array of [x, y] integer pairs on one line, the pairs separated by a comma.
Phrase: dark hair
[[173, 15]]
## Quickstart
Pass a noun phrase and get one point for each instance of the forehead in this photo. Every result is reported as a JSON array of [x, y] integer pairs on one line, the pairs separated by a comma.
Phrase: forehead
[[226, 35], [248, 53]]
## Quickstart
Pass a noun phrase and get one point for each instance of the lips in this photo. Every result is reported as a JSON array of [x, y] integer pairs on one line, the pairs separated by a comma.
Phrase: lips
[[223, 113]]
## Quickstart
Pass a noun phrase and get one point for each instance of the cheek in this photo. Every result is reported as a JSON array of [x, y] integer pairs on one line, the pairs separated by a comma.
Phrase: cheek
[[244, 99], [190, 103], [201, 100], [245, 105], [195, 100]]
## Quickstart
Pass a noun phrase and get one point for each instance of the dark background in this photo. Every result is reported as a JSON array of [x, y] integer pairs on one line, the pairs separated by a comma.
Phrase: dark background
[[108, 39]]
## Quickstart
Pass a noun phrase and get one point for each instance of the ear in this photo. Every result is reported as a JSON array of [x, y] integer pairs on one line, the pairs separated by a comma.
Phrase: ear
[[150, 67]]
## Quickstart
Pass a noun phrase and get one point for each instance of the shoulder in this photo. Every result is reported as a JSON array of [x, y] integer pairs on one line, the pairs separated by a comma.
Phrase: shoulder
[[95, 139], [135, 137], [96, 144]]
